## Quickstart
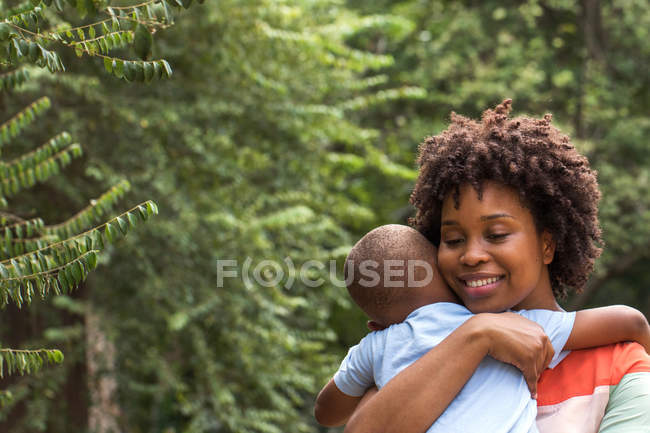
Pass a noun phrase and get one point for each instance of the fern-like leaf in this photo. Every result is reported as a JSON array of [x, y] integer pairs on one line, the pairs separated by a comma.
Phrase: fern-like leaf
[[27, 361], [91, 213], [18, 179], [13, 79], [36, 156], [12, 127], [63, 265]]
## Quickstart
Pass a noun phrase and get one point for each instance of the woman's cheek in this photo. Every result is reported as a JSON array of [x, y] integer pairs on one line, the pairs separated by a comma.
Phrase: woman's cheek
[[446, 263]]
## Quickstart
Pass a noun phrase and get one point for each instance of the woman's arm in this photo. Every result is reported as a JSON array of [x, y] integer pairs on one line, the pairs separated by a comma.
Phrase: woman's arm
[[413, 400]]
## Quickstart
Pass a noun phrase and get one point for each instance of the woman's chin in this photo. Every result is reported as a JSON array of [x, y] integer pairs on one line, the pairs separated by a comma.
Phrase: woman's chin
[[485, 305]]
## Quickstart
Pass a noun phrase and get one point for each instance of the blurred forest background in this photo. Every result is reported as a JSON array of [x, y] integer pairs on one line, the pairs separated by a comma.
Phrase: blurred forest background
[[289, 129]]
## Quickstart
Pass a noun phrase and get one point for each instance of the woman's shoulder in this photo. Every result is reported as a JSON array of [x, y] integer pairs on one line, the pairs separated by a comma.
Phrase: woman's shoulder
[[583, 371], [589, 382]]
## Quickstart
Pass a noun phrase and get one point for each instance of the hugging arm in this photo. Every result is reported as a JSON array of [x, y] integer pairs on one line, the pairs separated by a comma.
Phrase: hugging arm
[[607, 325], [416, 397], [334, 407]]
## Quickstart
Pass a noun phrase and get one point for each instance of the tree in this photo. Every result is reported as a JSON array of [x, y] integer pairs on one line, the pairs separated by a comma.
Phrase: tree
[[35, 258], [289, 130], [253, 150]]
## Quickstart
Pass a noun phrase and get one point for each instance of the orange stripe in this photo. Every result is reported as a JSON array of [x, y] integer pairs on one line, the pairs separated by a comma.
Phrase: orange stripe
[[583, 370]]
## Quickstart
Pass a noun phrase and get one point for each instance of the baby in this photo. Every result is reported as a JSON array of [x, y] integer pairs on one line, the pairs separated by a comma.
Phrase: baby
[[391, 274]]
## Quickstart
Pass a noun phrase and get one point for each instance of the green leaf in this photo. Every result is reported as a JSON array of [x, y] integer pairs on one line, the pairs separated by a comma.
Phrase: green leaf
[[57, 356], [92, 260], [129, 71], [168, 12], [34, 51], [108, 64], [98, 242], [167, 68], [70, 277], [152, 209], [108, 40], [133, 220], [17, 268], [109, 233], [143, 42], [63, 281], [103, 47], [15, 51], [143, 212], [148, 72], [122, 225], [158, 70], [77, 272], [118, 68], [5, 31], [139, 71]]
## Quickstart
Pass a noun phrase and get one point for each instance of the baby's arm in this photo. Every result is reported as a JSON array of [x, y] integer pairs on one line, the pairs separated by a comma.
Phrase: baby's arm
[[334, 407], [340, 397], [608, 325]]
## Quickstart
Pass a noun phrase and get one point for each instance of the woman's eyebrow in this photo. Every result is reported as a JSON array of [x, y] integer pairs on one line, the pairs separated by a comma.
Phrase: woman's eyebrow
[[496, 216], [483, 218]]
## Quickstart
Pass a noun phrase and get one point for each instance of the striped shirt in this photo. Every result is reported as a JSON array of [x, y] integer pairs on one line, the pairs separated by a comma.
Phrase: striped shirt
[[604, 390]]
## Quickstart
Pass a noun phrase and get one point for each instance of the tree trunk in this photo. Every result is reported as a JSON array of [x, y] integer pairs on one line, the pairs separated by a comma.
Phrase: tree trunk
[[103, 413]]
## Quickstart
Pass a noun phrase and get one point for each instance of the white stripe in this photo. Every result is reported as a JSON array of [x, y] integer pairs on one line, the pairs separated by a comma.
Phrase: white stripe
[[581, 414]]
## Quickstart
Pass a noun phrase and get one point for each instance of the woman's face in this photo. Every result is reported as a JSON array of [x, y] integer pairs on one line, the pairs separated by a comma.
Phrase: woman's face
[[491, 253]]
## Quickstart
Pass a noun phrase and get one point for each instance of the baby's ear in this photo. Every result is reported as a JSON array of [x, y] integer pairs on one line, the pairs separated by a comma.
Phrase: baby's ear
[[548, 245], [374, 326]]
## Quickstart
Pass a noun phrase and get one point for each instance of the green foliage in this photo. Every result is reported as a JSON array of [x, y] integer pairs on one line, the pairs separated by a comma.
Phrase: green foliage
[[61, 265], [290, 129], [13, 79], [27, 361], [38, 258], [12, 127], [23, 38], [241, 150], [35, 258]]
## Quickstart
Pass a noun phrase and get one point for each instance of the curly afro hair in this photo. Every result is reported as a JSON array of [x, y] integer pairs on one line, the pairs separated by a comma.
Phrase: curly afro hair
[[553, 180]]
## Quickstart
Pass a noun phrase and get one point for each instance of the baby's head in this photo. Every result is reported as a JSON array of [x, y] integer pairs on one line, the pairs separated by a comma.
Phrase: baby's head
[[392, 271]]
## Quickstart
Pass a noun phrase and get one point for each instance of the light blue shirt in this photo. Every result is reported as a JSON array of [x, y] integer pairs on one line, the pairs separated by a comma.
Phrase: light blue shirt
[[495, 399]]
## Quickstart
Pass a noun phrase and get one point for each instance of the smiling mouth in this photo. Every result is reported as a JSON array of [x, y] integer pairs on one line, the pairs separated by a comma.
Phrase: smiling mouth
[[482, 282]]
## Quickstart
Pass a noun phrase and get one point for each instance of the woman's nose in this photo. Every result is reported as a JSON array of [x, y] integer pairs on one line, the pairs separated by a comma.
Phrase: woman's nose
[[474, 254]]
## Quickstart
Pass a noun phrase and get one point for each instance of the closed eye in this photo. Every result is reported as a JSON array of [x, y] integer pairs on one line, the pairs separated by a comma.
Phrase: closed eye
[[498, 236], [452, 242]]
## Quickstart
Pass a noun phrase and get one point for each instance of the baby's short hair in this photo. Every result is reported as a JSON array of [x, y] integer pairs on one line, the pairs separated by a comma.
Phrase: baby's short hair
[[373, 266]]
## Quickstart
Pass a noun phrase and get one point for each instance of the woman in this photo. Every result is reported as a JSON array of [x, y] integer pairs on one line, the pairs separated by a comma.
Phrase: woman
[[513, 208]]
